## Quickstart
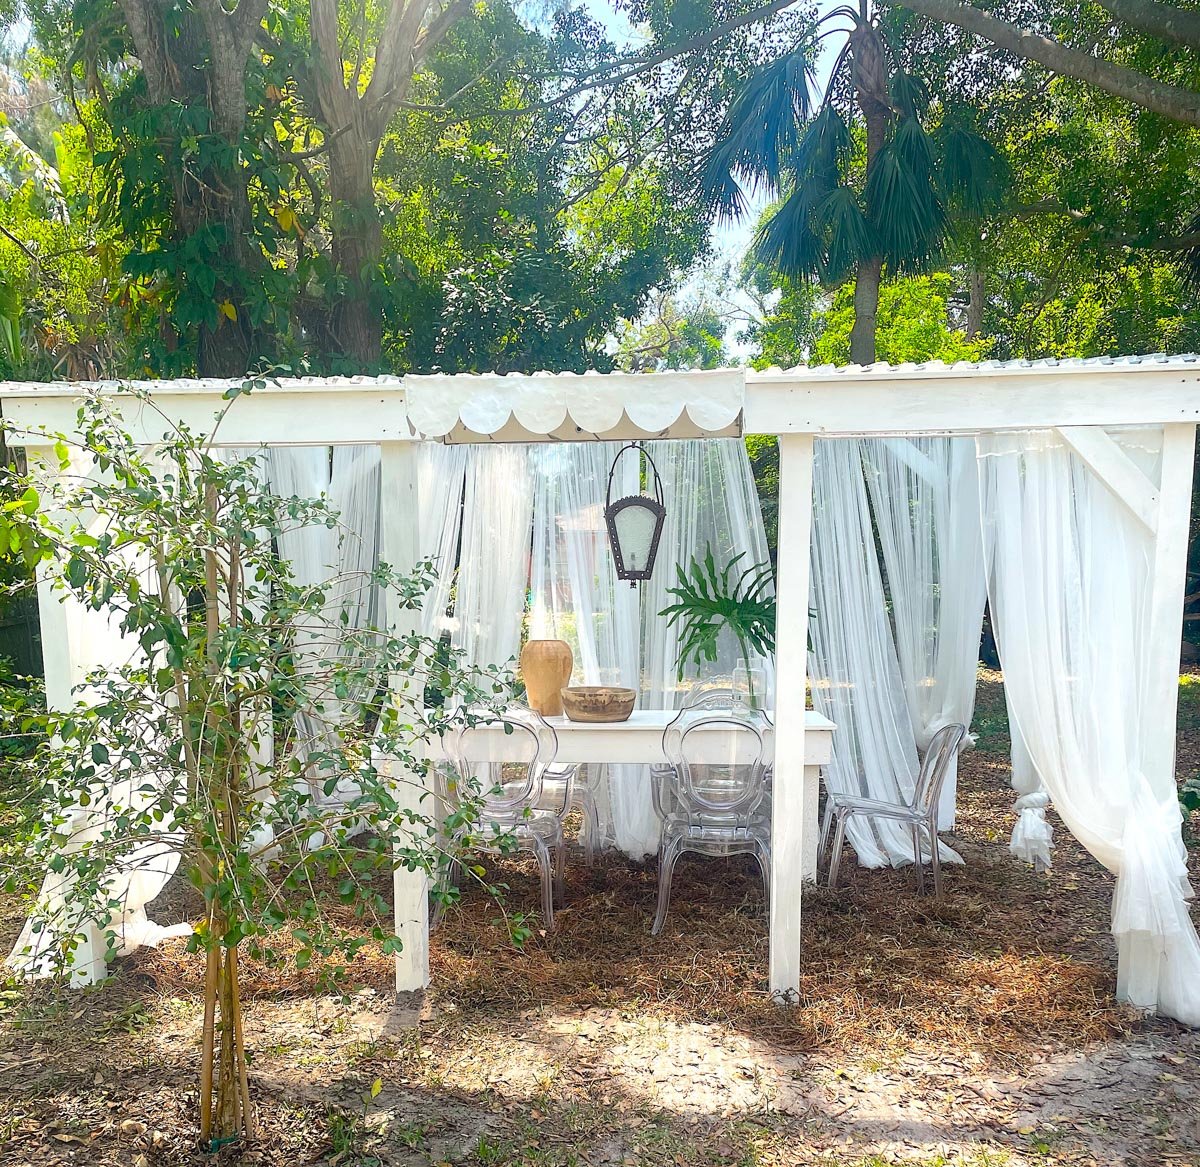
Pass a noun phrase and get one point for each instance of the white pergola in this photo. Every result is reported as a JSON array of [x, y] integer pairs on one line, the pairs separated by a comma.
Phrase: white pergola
[[1077, 398]]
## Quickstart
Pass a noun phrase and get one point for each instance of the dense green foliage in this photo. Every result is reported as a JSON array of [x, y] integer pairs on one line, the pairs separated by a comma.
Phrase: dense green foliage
[[525, 188]]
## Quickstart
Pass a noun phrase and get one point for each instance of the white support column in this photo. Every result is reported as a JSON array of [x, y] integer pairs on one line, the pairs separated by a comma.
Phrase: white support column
[[398, 548], [1138, 972], [788, 843]]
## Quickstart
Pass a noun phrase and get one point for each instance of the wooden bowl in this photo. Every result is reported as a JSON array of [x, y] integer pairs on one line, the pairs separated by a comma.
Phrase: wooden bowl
[[598, 702]]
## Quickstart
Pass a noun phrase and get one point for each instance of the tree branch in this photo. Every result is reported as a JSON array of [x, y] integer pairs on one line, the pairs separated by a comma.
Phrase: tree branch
[[1165, 22], [1171, 101]]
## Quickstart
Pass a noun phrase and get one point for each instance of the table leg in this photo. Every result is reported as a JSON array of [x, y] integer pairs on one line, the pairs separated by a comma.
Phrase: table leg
[[812, 829]]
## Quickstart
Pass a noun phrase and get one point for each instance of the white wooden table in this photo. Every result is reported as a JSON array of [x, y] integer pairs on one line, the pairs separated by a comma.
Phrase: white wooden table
[[637, 741]]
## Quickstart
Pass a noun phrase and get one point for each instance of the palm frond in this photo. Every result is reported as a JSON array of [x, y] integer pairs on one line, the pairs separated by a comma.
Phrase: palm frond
[[847, 232], [823, 149], [761, 128], [909, 94], [974, 175], [1189, 260], [786, 240], [902, 200]]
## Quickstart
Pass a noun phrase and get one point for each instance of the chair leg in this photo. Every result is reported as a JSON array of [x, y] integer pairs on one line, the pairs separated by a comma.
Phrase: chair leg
[[560, 867], [762, 852], [826, 825], [839, 837], [918, 865], [591, 826], [546, 866], [667, 857], [935, 862]]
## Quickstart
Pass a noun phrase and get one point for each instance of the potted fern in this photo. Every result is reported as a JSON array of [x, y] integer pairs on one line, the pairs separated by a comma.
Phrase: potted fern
[[711, 599]]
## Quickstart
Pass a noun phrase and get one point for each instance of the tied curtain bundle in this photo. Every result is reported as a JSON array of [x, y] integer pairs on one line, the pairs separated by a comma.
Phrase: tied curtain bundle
[[1070, 576]]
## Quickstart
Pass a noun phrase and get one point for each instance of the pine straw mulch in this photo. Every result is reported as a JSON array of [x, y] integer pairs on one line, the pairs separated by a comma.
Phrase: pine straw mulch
[[1007, 969], [1005, 963]]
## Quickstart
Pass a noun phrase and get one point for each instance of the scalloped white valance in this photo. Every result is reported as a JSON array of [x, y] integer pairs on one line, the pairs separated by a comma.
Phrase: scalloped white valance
[[594, 403]]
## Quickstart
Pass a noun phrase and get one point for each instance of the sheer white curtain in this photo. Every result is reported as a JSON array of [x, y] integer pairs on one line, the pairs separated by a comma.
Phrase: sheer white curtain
[[95, 642], [354, 483], [615, 631], [711, 502], [496, 538], [854, 672], [441, 474], [925, 498], [577, 597], [302, 472], [1069, 576]]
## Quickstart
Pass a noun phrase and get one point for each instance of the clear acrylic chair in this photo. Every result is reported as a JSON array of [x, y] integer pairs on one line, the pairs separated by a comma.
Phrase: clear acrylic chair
[[579, 797], [500, 781], [716, 697], [716, 801], [921, 815]]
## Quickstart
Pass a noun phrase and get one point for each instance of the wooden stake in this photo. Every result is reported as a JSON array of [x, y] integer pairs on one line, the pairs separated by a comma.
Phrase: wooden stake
[[211, 973]]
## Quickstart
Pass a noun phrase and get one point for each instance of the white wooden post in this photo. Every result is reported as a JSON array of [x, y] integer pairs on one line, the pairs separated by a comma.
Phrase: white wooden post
[[791, 660], [398, 548], [1138, 966]]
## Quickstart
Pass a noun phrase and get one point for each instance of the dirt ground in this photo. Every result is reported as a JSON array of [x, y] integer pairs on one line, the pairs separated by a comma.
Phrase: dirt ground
[[980, 1029]]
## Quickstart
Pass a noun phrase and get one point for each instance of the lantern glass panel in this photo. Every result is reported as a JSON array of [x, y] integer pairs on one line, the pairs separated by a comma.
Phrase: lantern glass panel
[[635, 533]]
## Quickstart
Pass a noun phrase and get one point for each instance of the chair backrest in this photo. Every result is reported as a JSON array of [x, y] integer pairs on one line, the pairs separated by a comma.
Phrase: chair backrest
[[505, 769], [936, 765], [710, 696], [719, 764]]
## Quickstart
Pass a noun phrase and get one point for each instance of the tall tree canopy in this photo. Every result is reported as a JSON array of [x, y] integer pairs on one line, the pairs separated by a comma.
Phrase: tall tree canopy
[[872, 176], [424, 184]]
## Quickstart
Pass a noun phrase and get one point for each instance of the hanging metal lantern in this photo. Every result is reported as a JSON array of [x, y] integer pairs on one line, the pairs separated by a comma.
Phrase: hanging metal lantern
[[634, 524]]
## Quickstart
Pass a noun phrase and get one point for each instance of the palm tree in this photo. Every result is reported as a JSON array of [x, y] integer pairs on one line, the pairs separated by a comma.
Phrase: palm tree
[[863, 186]]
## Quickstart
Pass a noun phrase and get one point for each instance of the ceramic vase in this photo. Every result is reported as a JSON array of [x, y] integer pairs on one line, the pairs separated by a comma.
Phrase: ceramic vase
[[545, 669]]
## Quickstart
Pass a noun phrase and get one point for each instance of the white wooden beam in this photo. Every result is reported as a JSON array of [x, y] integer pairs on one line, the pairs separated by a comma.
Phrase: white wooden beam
[[398, 548], [931, 400], [1124, 478], [286, 414], [878, 400], [789, 802], [1138, 966], [920, 463]]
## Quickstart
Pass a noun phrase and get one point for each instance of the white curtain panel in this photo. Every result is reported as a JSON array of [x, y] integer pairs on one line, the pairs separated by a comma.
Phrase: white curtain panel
[[354, 484], [302, 472], [441, 474], [853, 668], [577, 597], [711, 502], [496, 540], [1032, 835], [95, 641], [1069, 575], [925, 499], [615, 630]]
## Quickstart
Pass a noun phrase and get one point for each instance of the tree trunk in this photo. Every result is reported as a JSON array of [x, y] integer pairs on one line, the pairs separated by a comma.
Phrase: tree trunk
[[200, 59], [357, 247], [976, 300], [866, 308], [869, 62]]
